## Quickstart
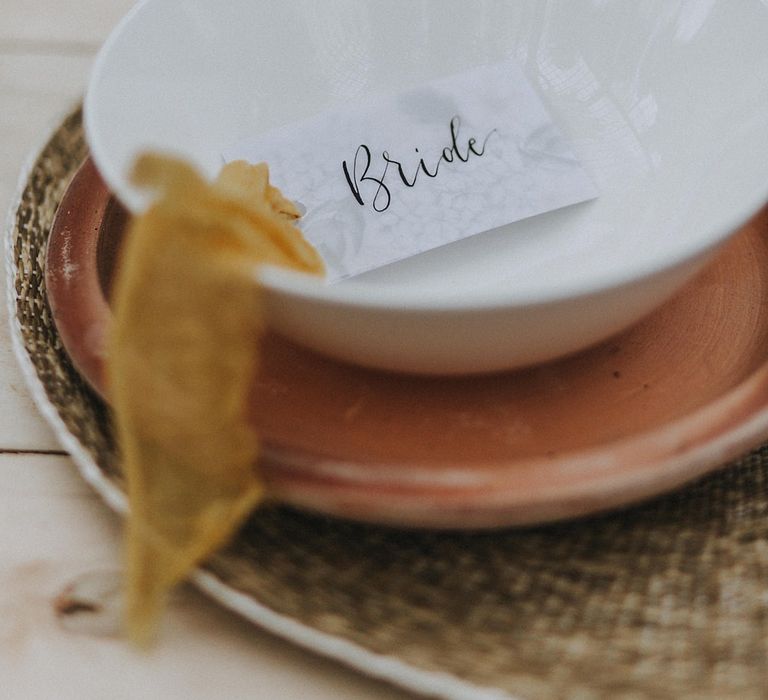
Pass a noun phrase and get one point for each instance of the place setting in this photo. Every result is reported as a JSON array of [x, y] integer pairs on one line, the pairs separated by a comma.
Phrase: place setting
[[466, 387]]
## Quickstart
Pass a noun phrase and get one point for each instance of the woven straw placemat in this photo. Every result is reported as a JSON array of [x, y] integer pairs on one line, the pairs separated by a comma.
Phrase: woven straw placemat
[[667, 600]]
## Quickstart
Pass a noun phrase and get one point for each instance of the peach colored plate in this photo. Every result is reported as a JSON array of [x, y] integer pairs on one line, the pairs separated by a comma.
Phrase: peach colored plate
[[671, 399]]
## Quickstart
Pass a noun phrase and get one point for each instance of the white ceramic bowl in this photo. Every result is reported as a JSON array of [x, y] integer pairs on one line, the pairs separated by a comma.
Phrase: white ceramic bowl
[[665, 102]]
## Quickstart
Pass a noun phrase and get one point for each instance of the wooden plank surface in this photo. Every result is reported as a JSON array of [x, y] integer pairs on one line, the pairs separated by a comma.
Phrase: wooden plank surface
[[66, 26], [60, 546], [59, 633]]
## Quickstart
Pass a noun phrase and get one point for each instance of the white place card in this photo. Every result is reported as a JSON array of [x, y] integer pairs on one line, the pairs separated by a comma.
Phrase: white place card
[[401, 174]]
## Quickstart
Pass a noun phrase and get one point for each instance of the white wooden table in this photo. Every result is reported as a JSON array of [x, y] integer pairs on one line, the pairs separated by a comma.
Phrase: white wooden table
[[54, 530]]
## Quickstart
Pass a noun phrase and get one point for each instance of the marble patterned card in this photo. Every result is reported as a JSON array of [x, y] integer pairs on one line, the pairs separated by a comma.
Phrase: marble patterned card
[[397, 175]]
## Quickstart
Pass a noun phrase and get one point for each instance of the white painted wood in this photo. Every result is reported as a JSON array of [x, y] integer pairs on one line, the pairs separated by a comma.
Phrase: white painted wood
[[56, 21], [55, 531]]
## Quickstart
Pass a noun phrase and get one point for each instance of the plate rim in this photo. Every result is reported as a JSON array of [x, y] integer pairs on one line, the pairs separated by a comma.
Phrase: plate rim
[[498, 495]]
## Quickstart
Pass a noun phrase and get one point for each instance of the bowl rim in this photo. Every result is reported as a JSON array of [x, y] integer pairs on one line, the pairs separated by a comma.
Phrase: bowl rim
[[353, 294]]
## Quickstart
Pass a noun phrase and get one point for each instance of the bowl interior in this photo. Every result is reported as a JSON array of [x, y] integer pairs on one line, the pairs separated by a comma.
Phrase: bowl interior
[[664, 102]]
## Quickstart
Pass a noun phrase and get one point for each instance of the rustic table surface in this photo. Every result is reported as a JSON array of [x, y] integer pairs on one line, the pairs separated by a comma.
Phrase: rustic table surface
[[60, 545]]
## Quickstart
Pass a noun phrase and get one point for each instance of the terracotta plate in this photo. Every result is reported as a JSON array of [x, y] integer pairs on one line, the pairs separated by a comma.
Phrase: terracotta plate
[[673, 398]]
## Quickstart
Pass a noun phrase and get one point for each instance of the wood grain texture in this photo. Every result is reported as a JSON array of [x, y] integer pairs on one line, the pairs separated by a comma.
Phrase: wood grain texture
[[40, 24], [56, 533]]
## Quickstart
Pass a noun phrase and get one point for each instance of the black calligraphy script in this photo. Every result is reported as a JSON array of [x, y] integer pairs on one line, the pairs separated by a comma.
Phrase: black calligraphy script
[[382, 195]]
